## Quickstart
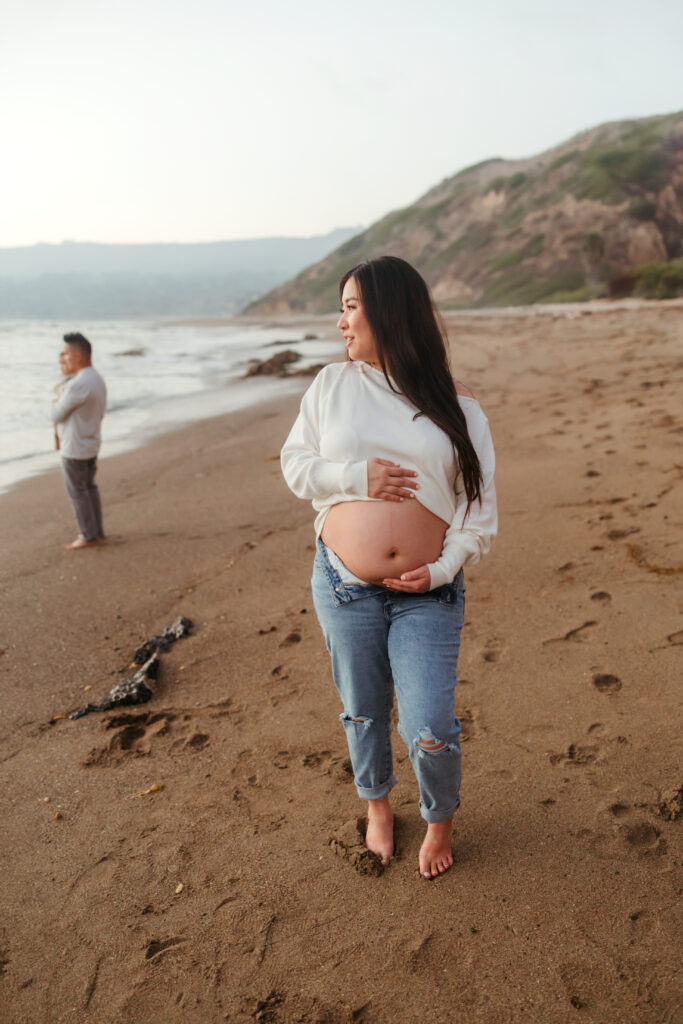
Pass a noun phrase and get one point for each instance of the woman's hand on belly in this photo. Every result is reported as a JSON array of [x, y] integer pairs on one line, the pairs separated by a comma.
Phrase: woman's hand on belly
[[389, 482], [416, 581], [386, 540]]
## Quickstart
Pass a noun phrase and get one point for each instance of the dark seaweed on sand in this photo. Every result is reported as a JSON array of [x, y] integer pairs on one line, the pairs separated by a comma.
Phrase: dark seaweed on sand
[[134, 689]]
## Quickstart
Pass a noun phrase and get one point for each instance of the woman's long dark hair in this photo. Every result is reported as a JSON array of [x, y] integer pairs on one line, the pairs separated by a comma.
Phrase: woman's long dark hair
[[412, 351]]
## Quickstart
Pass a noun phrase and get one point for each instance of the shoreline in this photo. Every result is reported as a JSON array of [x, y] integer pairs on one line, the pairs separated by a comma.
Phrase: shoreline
[[131, 422], [192, 407], [218, 896], [177, 413]]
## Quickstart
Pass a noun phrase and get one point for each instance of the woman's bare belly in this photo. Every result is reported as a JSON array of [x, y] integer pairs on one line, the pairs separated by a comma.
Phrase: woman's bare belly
[[379, 540]]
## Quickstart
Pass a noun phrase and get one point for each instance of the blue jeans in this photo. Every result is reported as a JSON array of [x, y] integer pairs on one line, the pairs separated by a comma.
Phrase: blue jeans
[[381, 641]]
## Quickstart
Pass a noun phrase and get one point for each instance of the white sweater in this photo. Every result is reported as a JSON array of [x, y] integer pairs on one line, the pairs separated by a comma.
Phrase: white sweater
[[78, 414], [349, 415]]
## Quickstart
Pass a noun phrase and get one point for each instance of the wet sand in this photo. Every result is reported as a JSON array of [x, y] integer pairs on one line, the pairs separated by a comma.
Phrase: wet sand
[[237, 891]]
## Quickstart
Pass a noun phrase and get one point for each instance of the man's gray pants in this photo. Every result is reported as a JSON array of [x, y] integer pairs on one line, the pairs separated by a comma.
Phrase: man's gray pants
[[79, 476]]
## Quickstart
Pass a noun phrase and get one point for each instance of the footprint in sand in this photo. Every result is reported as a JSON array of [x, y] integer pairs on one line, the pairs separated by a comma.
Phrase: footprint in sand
[[602, 596], [343, 769], [224, 709], [636, 832], [596, 985], [157, 947], [282, 759], [471, 728], [98, 876], [328, 764], [643, 922], [279, 693], [348, 841], [577, 633], [276, 699], [578, 755], [414, 949], [606, 683], [315, 758], [135, 735], [197, 742], [642, 835], [619, 534], [291, 638]]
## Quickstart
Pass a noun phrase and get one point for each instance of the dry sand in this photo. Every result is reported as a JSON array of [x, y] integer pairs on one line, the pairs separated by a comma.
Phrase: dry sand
[[219, 897]]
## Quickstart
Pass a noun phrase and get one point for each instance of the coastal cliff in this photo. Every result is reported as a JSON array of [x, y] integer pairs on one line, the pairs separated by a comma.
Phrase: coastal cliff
[[599, 215]]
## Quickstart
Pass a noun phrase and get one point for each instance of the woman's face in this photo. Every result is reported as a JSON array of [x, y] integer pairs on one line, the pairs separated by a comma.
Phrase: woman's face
[[360, 341]]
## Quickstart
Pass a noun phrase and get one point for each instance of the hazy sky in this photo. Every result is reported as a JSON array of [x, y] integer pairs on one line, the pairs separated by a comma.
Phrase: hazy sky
[[162, 120]]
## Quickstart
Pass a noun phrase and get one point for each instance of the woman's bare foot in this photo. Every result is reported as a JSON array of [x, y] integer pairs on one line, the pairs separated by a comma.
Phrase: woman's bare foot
[[380, 833], [436, 853]]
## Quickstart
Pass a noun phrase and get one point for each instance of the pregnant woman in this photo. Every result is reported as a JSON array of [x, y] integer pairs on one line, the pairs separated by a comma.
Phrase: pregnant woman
[[398, 462]]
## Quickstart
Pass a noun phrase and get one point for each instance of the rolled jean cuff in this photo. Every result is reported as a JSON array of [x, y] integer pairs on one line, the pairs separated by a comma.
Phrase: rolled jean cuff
[[433, 817], [377, 792]]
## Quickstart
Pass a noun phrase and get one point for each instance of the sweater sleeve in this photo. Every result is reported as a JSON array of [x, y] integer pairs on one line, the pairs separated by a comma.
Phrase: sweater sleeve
[[74, 394], [307, 473], [468, 539]]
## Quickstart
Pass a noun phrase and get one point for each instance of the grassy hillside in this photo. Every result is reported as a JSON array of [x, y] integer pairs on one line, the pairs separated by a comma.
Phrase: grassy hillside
[[601, 214]]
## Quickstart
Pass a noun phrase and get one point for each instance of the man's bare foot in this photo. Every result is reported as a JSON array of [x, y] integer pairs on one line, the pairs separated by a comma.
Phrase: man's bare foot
[[436, 853], [380, 833], [80, 542]]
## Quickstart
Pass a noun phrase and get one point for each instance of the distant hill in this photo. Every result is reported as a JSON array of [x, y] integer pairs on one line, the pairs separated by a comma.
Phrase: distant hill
[[600, 214], [89, 279]]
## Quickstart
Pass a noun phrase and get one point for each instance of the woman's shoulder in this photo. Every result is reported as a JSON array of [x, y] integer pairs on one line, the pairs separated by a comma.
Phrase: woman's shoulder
[[468, 399], [334, 372], [469, 403], [324, 384], [463, 391]]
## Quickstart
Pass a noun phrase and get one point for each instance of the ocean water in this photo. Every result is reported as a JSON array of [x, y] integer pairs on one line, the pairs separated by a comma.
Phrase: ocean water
[[159, 376]]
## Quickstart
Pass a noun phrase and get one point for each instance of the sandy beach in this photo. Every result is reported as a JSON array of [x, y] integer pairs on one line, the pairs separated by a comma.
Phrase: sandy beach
[[237, 890]]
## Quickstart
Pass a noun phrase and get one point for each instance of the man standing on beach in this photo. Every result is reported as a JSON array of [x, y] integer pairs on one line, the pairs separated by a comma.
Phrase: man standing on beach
[[77, 415]]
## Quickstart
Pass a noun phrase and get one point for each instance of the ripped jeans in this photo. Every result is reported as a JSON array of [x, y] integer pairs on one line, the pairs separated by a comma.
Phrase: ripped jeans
[[381, 641]]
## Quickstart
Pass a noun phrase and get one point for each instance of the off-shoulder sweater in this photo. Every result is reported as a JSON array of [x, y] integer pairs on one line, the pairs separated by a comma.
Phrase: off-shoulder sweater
[[350, 414]]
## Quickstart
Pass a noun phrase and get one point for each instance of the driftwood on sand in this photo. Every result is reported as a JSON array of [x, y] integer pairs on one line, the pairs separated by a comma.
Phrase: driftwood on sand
[[134, 689]]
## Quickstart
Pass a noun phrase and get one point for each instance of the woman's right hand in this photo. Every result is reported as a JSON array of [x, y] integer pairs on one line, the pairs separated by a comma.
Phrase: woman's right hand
[[389, 482]]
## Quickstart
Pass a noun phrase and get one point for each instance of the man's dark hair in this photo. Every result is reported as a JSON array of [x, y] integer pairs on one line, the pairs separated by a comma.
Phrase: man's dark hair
[[79, 342]]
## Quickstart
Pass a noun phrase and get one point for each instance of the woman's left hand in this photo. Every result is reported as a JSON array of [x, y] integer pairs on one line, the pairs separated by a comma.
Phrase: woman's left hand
[[417, 581]]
